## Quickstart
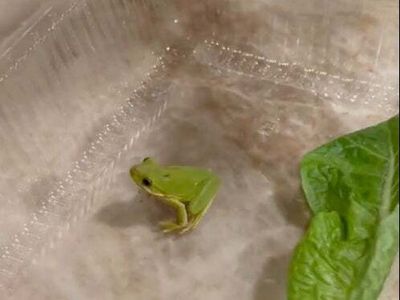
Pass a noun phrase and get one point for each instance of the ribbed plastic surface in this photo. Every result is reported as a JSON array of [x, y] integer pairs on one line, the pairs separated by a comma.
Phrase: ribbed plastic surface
[[81, 85]]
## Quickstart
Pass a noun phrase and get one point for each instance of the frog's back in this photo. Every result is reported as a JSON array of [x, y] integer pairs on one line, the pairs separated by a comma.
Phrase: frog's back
[[183, 181], [186, 173]]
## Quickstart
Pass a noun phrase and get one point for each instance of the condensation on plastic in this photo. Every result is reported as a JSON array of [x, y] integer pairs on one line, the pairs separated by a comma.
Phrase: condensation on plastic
[[79, 52], [332, 87]]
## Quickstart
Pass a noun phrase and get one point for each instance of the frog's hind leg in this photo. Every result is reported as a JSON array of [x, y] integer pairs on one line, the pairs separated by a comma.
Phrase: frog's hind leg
[[201, 203], [195, 220]]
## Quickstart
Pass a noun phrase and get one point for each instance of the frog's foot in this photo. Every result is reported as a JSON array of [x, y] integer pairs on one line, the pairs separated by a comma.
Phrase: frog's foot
[[185, 229], [193, 222], [170, 226]]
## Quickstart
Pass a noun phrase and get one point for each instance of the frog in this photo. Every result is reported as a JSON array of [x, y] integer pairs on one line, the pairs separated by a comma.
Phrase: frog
[[190, 191]]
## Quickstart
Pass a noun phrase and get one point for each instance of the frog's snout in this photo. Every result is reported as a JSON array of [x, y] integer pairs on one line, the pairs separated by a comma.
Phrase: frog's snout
[[132, 171], [135, 174]]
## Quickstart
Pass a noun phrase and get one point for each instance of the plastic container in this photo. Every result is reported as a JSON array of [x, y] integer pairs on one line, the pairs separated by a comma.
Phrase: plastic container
[[88, 88]]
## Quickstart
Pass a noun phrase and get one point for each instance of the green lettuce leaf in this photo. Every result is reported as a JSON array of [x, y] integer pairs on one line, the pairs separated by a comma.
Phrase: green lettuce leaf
[[351, 186]]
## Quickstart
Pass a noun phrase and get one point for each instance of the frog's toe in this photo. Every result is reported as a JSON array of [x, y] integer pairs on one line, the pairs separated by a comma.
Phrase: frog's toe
[[169, 226], [190, 226], [185, 229]]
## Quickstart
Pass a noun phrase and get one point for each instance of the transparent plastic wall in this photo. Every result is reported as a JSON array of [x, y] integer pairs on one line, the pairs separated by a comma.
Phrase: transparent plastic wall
[[88, 87]]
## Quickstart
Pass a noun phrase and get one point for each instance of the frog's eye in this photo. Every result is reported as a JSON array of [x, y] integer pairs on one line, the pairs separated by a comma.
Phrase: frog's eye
[[146, 182]]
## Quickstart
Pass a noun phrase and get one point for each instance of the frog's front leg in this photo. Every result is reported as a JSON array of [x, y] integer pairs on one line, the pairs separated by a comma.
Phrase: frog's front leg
[[181, 216]]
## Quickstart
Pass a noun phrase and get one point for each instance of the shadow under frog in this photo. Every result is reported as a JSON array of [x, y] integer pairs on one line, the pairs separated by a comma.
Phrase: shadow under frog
[[143, 210]]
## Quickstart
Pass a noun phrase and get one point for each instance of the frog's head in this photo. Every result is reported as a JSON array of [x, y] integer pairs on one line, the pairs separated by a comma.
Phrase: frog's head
[[146, 175]]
